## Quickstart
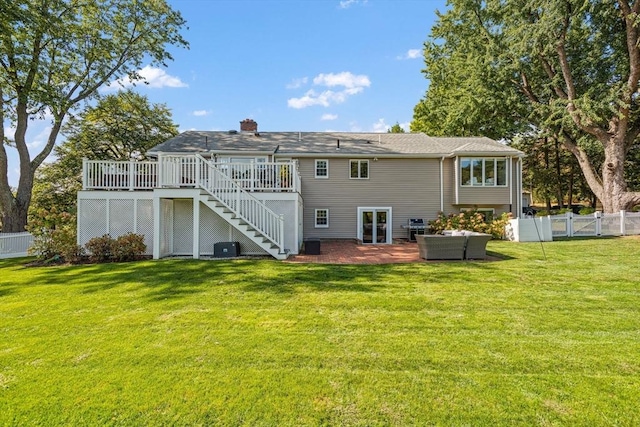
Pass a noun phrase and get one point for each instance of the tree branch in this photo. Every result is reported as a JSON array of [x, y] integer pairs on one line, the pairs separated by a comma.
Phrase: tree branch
[[593, 179]]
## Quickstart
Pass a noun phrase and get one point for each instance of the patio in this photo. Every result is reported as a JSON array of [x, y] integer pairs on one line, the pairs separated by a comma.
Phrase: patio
[[350, 252]]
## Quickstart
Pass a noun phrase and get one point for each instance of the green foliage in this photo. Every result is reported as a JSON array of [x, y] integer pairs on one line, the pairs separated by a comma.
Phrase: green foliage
[[127, 247], [507, 68], [100, 248], [470, 220], [57, 54], [54, 236], [521, 341], [396, 129], [122, 126]]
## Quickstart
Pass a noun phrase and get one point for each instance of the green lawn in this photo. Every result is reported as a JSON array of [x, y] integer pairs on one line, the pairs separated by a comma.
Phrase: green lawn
[[521, 341]]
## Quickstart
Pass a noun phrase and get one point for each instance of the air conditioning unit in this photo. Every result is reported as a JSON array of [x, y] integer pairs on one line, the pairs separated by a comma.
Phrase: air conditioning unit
[[226, 249]]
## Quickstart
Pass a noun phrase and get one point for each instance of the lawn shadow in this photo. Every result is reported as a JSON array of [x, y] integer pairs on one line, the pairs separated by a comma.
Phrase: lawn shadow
[[292, 278]]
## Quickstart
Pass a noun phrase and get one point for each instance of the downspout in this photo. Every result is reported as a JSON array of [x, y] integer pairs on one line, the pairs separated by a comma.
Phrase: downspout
[[456, 179], [519, 204], [442, 184]]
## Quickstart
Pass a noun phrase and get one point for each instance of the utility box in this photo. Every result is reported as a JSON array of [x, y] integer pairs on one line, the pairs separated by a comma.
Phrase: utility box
[[312, 246], [226, 249]]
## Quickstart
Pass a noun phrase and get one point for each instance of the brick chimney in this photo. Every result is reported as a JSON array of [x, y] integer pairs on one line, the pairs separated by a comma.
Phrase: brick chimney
[[248, 125]]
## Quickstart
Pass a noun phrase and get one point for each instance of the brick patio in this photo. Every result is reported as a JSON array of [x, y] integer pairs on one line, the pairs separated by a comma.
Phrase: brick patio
[[350, 252]]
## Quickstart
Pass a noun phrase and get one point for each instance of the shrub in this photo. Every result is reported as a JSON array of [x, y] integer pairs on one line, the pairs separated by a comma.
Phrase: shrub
[[100, 248], [128, 247], [586, 211], [470, 220], [54, 236]]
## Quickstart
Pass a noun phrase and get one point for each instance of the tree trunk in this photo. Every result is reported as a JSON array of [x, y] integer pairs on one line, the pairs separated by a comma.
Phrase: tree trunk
[[616, 196], [559, 191], [14, 218]]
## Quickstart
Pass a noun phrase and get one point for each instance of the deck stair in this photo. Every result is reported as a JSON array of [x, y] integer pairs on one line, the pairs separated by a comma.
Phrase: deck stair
[[249, 215]]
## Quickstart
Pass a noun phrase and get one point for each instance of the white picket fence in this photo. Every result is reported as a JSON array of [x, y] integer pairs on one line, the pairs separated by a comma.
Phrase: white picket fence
[[13, 245], [597, 224]]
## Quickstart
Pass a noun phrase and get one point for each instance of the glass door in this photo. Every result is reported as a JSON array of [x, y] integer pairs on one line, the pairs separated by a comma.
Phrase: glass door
[[374, 225]]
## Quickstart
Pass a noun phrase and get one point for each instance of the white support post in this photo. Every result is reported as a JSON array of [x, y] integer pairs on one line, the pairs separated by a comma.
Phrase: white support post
[[623, 226], [598, 216], [569, 224], [157, 218], [196, 228]]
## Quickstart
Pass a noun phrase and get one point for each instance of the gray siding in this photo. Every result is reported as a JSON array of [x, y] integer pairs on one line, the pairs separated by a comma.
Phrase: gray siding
[[411, 187]]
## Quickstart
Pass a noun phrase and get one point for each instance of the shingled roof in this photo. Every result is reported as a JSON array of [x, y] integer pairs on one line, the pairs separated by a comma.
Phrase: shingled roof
[[331, 144]]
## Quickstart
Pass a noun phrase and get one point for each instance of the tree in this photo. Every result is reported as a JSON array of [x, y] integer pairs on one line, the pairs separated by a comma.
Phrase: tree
[[55, 54], [396, 129], [122, 126], [568, 68]]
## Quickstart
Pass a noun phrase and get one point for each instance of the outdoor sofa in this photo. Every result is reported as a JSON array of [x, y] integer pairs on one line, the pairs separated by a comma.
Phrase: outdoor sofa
[[453, 244], [433, 246]]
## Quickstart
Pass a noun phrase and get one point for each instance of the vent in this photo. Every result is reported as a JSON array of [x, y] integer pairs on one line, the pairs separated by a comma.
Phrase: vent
[[233, 132]]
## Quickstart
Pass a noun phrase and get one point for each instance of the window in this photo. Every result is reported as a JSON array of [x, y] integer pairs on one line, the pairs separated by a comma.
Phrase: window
[[322, 168], [359, 169], [322, 218], [479, 172]]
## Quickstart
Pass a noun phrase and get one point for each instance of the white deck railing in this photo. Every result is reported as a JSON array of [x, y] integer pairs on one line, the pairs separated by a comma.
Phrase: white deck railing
[[182, 171], [114, 175], [13, 245], [229, 191]]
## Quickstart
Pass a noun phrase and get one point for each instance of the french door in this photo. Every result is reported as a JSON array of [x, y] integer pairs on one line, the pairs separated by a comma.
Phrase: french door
[[374, 225]]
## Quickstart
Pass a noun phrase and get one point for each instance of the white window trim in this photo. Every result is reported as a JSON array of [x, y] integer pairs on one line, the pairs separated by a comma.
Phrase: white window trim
[[315, 169], [315, 218], [359, 161], [483, 160]]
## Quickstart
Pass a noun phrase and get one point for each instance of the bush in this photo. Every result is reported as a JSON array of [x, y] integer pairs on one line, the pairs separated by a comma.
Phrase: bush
[[54, 236], [470, 220], [587, 211], [127, 247], [100, 248]]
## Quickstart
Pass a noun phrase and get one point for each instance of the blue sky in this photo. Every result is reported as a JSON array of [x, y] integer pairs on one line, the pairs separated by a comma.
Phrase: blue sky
[[314, 65]]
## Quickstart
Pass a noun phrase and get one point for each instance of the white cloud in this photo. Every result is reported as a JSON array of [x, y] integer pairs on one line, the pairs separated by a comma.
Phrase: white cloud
[[153, 77], [352, 85], [40, 139], [201, 113], [344, 4], [380, 126], [297, 83], [329, 117], [345, 79], [411, 54]]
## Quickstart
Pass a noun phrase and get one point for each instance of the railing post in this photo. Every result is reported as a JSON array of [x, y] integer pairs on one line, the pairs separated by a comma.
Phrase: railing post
[[197, 166], [623, 226], [131, 175], [281, 232], [85, 172], [160, 170], [598, 217], [569, 224]]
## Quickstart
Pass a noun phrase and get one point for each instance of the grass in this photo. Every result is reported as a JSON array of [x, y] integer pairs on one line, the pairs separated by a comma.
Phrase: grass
[[521, 341]]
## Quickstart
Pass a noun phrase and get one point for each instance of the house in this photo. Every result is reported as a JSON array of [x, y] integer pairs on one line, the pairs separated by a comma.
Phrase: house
[[270, 190]]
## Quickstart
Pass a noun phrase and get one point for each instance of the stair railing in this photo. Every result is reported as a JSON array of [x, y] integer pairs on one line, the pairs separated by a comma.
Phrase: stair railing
[[244, 205]]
